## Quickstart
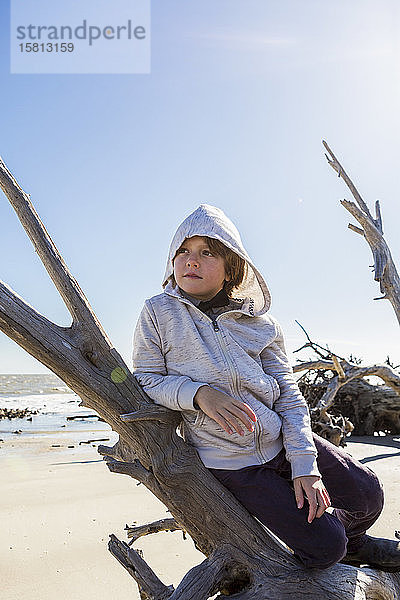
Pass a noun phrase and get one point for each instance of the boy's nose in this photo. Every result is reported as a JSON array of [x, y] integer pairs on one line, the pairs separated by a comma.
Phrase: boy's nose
[[192, 262]]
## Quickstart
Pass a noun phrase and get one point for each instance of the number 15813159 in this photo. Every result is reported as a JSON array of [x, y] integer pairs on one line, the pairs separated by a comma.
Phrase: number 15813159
[[47, 47]]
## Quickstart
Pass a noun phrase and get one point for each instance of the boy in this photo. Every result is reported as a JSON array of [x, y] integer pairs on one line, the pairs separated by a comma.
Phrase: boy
[[220, 360]]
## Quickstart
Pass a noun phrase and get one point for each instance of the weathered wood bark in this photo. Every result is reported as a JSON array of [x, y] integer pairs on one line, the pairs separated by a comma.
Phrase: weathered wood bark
[[372, 230], [135, 532], [369, 407], [241, 554]]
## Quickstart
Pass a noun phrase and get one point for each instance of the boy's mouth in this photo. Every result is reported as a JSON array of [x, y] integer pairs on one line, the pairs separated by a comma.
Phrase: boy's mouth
[[192, 276]]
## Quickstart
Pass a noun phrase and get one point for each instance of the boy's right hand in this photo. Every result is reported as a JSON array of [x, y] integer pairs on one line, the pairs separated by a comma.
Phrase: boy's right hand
[[228, 412]]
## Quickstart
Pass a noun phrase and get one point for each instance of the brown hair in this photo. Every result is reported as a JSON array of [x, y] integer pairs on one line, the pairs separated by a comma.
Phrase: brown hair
[[235, 266]]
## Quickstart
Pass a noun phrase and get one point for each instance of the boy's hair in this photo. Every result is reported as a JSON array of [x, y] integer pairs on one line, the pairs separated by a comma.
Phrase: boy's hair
[[235, 266]]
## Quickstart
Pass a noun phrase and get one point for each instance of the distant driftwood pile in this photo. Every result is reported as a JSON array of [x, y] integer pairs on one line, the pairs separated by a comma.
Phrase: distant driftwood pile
[[341, 400], [241, 556], [17, 413]]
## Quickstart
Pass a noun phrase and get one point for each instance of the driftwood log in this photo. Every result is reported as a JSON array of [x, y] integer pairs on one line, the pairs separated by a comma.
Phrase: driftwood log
[[371, 408], [241, 555], [339, 407], [342, 401], [372, 230]]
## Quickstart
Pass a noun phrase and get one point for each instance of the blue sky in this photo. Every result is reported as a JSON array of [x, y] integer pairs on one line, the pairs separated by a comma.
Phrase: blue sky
[[240, 95]]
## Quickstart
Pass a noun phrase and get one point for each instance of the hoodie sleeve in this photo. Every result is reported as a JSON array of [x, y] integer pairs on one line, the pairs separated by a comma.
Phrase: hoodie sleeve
[[292, 408], [173, 391]]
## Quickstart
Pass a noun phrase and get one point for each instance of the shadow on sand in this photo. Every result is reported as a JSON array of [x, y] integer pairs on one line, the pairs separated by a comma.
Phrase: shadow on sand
[[389, 441]]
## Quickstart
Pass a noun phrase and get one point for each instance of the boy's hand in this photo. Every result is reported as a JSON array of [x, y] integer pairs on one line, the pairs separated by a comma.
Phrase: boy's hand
[[315, 491], [228, 412]]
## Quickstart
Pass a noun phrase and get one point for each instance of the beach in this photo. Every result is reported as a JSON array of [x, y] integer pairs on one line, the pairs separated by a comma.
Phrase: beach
[[59, 504], [57, 508]]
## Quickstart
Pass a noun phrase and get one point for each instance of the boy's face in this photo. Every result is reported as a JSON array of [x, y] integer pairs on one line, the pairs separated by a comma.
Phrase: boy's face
[[197, 271]]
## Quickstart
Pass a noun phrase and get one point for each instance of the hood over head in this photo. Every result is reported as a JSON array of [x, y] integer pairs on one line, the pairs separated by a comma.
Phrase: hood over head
[[212, 222]]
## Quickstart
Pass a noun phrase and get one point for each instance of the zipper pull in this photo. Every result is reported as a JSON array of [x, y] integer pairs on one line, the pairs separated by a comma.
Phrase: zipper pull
[[215, 325]]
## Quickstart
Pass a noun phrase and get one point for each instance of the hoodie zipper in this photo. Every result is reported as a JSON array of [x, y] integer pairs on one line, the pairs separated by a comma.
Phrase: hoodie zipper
[[225, 353], [235, 381]]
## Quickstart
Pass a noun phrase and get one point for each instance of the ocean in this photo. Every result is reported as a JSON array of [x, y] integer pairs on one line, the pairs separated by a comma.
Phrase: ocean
[[53, 400]]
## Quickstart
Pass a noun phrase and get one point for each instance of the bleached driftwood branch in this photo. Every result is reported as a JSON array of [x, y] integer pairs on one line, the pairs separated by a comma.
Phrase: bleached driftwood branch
[[372, 230], [150, 586], [135, 532], [347, 372]]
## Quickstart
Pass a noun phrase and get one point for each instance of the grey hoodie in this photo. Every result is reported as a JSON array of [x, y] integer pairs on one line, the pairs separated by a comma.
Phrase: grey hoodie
[[240, 351]]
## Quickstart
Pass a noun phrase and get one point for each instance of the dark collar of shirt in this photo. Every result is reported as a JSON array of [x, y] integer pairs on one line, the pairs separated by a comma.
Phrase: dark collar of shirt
[[220, 303]]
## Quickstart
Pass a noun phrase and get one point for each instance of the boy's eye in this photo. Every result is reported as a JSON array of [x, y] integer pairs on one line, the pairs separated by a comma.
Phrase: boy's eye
[[207, 252], [181, 250]]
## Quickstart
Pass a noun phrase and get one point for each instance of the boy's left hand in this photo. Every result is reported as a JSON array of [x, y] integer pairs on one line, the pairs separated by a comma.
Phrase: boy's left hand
[[316, 494]]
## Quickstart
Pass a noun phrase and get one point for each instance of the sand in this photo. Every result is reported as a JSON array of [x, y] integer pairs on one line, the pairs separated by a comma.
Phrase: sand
[[59, 505]]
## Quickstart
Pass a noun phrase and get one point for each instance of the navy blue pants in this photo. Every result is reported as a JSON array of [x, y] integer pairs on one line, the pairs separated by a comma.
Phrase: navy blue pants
[[267, 493]]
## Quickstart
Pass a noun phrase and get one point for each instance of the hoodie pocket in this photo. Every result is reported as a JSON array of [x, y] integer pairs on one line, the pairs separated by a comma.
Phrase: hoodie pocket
[[205, 432], [270, 425]]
